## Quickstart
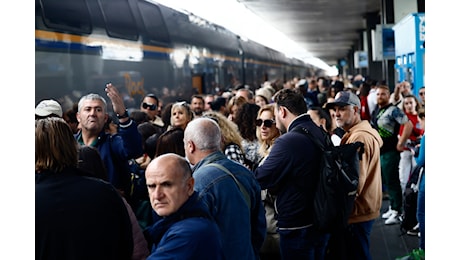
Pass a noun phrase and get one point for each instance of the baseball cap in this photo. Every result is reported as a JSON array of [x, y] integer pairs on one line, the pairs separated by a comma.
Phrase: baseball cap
[[48, 107], [344, 98]]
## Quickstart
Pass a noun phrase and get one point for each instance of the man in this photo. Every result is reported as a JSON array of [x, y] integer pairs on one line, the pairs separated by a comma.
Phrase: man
[[208, 100], [369, 194], [48, 108], [292, 176], [197, 105], [387, 119], [246, 93], [116, 149], [185, 230], [421, 94], [151, 106], [76, 217], [228, 188]]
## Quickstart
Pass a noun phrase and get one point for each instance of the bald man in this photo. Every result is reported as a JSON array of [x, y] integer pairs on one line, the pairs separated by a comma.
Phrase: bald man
[[185, 230]]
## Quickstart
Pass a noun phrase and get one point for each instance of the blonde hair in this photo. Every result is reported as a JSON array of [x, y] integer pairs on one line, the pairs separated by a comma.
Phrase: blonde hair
[[184, 107], [265, 145], [229, 130]]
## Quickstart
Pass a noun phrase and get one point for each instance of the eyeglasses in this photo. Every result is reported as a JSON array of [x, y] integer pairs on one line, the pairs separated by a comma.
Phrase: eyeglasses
[[266, 123], [149, 106]]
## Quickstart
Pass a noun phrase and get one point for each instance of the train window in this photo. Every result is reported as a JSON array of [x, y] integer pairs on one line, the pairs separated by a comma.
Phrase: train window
[[70, 16], [118, 19], [153, 21]]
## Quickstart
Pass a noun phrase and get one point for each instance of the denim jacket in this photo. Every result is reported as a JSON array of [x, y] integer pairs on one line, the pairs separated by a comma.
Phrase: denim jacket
[[243, 229]]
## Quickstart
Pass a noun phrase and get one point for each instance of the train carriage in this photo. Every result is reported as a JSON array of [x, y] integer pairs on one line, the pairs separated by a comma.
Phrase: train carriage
[[143, 47]]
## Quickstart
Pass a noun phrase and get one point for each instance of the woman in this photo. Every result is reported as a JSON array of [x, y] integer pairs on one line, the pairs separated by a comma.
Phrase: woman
[[231, 137], [74, 214], [407, 162], [266, 134], [181, 115], [245, 119], [233, 104], [171, 141]]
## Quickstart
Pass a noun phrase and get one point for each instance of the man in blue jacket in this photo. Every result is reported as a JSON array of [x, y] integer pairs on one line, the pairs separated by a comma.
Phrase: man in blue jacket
[[116, 149], [228, 189], [186, 229], [291, 172]]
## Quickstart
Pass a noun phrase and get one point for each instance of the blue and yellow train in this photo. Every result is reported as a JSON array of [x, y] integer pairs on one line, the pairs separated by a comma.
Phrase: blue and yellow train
[[142, 47]]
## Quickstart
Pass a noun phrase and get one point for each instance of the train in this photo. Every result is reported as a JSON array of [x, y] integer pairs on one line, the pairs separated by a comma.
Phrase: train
[[145, 47]]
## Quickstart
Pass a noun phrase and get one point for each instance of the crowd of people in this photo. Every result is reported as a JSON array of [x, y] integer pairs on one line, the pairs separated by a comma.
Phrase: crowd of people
[[221, 176]]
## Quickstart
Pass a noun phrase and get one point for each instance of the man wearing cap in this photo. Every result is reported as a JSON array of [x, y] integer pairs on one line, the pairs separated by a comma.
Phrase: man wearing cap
[[48, 108], [355, 239]]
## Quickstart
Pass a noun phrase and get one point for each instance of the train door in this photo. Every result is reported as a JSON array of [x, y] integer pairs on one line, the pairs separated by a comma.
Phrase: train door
[[197, 83]]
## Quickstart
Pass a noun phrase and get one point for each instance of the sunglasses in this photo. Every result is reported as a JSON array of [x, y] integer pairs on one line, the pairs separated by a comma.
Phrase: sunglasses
[[266, 123], [149, 106]]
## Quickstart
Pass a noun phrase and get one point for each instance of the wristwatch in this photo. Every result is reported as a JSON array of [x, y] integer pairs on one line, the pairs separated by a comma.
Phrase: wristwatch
[[124, 115]]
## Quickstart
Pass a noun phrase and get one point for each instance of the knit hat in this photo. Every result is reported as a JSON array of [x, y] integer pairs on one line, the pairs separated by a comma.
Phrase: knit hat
[[264, 92]]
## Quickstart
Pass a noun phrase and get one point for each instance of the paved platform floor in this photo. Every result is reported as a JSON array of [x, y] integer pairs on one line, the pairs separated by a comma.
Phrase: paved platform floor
[[387, 243]]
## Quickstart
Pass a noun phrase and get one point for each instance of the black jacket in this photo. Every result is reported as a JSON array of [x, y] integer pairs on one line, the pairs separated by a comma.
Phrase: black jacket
[[291, 172], [79, 217]]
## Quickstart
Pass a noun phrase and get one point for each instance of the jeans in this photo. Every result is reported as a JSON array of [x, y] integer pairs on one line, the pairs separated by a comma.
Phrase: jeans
[[351, 243], [358, 237], [303, 244], [421, 210]]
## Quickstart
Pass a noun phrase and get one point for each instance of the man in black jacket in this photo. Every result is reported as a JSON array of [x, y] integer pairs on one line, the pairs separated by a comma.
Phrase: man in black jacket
[[291, 172]]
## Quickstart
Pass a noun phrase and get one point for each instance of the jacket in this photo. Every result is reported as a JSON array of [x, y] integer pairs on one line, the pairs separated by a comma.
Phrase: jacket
[[79, 217], [116, 150], [291, 173], [243, 229], [369, 195], [189, 233]]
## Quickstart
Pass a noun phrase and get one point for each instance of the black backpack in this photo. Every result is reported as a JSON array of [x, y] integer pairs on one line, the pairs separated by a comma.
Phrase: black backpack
[[338, 182]]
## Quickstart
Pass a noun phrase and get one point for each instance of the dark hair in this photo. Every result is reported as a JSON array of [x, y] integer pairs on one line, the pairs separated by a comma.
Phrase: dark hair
[[323, 114], [291, 100], [150, 95], [139, 116], [364, 90], [146, 130], [218, 103], [171, 141], [198, 97], [150, 145], [417, 102], [166, 115], [70, 116], [90, 161], [245, 118]]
